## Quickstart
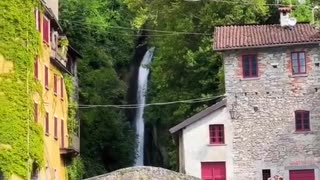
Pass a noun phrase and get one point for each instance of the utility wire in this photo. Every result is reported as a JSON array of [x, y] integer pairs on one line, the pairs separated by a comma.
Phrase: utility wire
[[133, 106], [167, 32]]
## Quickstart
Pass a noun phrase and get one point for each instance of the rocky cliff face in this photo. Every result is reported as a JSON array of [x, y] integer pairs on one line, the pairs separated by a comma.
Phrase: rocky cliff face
[[143, 173]]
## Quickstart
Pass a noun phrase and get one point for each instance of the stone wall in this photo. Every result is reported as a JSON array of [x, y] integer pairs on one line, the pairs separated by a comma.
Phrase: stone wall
[[264, 127]]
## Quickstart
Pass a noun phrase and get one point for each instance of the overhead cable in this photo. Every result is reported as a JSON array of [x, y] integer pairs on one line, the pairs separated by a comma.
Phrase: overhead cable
[[133, 106]]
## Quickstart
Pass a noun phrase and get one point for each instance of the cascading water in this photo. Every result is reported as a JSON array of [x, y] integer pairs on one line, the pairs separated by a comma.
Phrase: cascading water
[[141, 98]]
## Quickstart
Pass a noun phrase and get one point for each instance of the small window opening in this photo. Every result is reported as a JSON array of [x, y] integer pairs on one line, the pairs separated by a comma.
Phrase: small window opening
[[266, 173]]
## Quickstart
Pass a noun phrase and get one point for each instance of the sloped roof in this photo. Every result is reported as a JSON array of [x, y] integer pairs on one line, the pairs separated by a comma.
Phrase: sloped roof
[[273, 35], [198, 116]]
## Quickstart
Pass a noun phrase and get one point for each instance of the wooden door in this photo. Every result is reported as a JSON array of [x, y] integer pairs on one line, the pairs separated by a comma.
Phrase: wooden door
[[302, 174], [213, 171]]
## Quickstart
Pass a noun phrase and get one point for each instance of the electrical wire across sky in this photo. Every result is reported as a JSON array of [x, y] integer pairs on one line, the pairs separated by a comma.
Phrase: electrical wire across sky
[[133, 106]]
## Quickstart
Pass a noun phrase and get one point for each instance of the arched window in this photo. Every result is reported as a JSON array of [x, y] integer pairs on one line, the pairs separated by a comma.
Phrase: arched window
[[302, 120]]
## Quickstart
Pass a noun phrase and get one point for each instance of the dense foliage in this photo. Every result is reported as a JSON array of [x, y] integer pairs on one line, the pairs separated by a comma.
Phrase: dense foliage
[[107, 140], [21, 139], [184, 67]]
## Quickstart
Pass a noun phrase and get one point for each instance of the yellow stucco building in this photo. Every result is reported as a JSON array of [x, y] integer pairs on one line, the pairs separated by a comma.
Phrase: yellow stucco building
[[39, 129], [50, 68]]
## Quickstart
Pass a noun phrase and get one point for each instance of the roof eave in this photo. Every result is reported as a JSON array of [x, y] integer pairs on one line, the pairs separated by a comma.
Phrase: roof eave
[[198, 116], [266, 46]]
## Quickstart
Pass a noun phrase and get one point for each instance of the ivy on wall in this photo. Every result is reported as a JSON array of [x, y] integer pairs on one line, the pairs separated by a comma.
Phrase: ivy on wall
[[72, 109], [75, 169], [19, 44]]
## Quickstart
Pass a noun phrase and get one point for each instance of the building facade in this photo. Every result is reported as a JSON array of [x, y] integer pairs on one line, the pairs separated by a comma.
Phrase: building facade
[[55, 70], [48, 84], [205, 142], [272, 81]]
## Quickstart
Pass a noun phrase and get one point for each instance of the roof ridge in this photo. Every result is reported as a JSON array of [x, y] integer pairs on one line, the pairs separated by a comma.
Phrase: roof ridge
[[256, 24]]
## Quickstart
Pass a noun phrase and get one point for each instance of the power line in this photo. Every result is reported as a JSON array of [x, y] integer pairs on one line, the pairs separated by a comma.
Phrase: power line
[[133, 106], [163, 32]]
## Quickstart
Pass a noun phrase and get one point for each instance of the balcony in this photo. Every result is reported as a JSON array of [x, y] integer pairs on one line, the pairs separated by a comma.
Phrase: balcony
[[73, 149], [59, 53]]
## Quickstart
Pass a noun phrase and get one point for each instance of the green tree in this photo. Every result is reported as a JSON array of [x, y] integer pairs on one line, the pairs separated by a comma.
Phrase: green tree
[[185, 66], [107, 139]]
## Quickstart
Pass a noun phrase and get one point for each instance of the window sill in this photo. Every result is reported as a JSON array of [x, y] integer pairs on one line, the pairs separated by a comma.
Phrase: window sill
[[298, 75], [47, 134], [250, 78], [55, 94], [217, 144], [303, 132], [62, 99], [47, 88], [56, 138]]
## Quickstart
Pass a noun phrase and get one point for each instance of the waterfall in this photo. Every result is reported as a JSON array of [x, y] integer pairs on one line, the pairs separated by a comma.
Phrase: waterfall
[[141, 98]]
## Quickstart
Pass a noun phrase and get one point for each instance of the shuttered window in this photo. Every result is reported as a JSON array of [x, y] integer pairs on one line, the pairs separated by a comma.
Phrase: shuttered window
[[62, 133], [47, 124], [302, 119], [35, 114], [46, 30], [55, 128], [216, 134], [250, 66], [55, 84], [36, 68], [61, 88], [298, 61], [46, 77], [37, 15]]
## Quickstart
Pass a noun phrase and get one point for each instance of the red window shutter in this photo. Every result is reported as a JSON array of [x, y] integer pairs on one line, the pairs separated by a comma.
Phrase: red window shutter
[[36, 112], [250, 66], [61, 88], [47, 124], [55, 127], [36, 68], [216, 134], [46, 77], [298, 62], [55, 87], [302, 120], [46, 30], [62, 133]]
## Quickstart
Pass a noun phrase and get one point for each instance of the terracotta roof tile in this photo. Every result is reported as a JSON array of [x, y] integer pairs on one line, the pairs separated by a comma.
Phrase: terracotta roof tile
[[252, 36]]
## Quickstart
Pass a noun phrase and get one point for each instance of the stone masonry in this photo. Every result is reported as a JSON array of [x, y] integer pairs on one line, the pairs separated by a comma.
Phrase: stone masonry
[[264, 127]]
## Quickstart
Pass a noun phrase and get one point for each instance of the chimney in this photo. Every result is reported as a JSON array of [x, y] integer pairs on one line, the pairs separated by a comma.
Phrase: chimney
[[284, 15]]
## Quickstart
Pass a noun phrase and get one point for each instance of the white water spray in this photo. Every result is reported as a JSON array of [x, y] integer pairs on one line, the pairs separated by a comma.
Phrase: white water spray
[[141, 98]]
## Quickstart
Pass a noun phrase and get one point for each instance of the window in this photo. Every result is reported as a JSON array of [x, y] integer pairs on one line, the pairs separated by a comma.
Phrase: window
[[35, 172], [216, 134], [302, 120], [55, 128], [36, 112], [36, 68], [61, 88], [55, 84], [250, 66], [37, 19], [47, 124], [62, 133], [298, 61], [46, 77], [55, 174], [46, 30], [266, 174], [47, 173]]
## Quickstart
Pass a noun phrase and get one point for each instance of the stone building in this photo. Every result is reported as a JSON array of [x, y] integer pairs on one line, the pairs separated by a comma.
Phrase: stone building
[[272, 82]]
